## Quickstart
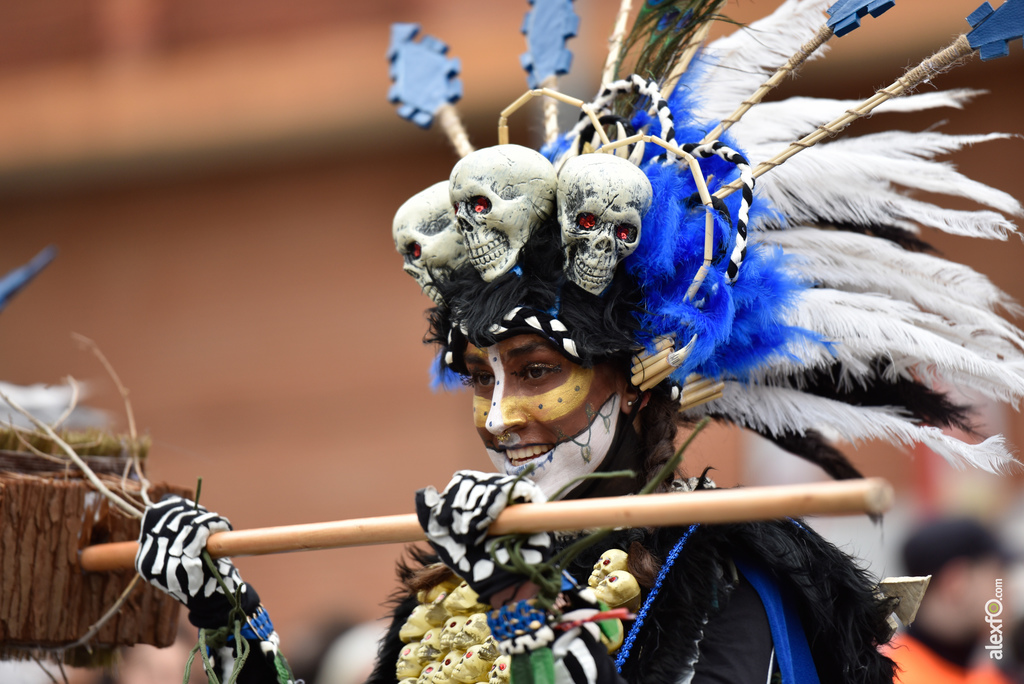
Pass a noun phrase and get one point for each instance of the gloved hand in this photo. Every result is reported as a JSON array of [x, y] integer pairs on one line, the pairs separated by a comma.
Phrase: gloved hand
[[456, 522], [172, 539]]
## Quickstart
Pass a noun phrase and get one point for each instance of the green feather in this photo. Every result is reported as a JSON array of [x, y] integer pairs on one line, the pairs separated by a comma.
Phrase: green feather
[[662, 32]]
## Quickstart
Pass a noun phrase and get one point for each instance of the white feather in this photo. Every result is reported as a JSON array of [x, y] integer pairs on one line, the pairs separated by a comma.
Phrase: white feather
[[833, 182], [782, 410], [859, 263], [734, 66], [793, 118]]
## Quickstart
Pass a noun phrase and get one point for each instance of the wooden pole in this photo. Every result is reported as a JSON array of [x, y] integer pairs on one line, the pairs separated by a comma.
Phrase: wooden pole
[[849, 497]]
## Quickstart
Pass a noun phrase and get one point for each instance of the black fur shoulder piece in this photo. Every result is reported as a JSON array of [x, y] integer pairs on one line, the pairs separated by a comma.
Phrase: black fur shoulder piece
[[842, 619]]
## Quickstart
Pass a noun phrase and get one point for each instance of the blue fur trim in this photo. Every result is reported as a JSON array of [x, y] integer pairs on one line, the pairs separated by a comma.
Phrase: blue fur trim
[[443, 378], [740, 327]]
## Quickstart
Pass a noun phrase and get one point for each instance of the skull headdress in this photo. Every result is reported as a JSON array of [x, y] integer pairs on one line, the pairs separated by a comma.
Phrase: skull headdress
[[775, 315]]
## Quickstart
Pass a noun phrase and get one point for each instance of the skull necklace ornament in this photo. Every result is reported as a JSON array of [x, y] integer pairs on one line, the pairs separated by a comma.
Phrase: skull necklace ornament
[[501, 195], [425, 235], [601, 202]]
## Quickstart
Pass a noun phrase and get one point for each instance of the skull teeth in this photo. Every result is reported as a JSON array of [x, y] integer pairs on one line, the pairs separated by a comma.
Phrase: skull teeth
[[489, 252]]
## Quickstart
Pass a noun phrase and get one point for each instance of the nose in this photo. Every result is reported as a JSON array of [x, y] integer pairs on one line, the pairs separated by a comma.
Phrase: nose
[[504, 415]]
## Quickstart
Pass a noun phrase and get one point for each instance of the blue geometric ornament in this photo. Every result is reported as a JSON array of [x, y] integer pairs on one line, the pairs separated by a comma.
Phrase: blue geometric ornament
[[845, 15], [546, 27], [994, 29], [424, 79]]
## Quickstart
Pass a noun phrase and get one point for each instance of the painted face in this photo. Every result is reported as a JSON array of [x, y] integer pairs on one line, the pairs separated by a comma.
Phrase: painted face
[[535, 407]]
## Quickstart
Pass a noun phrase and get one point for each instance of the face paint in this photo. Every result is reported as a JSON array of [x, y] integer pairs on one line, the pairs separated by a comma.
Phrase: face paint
[[533, 407]]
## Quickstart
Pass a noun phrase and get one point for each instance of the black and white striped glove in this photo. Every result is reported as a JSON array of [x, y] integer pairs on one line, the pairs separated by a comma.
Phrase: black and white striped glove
[[456, 522], [173, 536], [581, 658]]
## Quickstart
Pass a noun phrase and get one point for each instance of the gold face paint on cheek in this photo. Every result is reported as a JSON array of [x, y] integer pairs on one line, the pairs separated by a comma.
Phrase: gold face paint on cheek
[[481, 407], [555, 403]]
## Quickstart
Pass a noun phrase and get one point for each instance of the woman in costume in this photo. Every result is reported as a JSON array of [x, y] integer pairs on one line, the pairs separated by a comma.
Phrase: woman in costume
[[596, 300]]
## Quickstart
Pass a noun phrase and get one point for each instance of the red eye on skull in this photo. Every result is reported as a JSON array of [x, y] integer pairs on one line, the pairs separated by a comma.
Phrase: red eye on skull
[[587, 221], [502, 667], [607, 562], [481, 205], [469, 654], [625, 232], [613, 578], [415, 250]]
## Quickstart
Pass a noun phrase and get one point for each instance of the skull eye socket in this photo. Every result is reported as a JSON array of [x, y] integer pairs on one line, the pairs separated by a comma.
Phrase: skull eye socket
[[480, 204], [586, 221], [414, 250], [625, 232]]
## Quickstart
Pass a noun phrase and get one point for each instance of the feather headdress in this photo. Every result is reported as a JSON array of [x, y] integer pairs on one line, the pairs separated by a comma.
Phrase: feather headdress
[[803, 305]]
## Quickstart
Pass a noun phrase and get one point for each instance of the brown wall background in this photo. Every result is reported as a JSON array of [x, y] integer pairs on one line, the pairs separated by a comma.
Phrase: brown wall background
[[220, 180]]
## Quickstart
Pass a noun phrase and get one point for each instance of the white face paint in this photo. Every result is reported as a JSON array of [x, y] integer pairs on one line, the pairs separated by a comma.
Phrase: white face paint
[[543, 412]]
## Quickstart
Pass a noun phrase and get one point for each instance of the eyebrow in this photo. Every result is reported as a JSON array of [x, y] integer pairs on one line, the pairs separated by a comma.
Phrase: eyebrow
[[528, 348], [476, 356]]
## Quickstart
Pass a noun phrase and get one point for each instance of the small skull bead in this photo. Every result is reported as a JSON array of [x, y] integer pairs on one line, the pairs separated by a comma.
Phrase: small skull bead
[[419, 621], [610, 561], [429, 670], [501, 671], [474, 631], [476, 664], [464, 601], [447, 665], [437, 593], [449, 633], [430, 646], [619, 589], [408, 664]]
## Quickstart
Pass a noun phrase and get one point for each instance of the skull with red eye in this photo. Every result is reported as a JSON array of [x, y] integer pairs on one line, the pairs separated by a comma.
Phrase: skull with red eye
[[425, 235], [501, 195], [500, 672], [609, 562], [601, 202]]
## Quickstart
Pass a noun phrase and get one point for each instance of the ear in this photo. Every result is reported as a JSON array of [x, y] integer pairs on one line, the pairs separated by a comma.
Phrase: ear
[[630, 398]]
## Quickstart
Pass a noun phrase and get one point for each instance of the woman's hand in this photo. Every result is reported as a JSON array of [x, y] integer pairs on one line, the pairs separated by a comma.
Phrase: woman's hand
[[457, 519], [171, 543]]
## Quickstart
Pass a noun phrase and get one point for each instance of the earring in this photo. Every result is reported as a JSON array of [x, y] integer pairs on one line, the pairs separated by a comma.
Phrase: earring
[[630, 402]]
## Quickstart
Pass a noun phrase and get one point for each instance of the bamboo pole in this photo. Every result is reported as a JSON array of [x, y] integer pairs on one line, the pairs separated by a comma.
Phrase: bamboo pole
[[849, 497]]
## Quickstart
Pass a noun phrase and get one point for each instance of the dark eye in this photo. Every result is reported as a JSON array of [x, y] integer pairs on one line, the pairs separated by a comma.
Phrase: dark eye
[[586, 221], [625, 232], [483, 379], [537, 371], [415, 250], [481, 205]]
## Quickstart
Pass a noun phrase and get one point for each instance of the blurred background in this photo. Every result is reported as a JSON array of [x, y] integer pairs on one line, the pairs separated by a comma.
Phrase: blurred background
[[220, 180]]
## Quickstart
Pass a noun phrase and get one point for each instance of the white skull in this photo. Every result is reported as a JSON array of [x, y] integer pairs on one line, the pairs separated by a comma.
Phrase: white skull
[[425, 235], [501, 195], [601, 201]]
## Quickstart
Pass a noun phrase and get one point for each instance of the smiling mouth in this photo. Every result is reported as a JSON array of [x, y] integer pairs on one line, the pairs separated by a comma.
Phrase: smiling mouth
[[524, 455]]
